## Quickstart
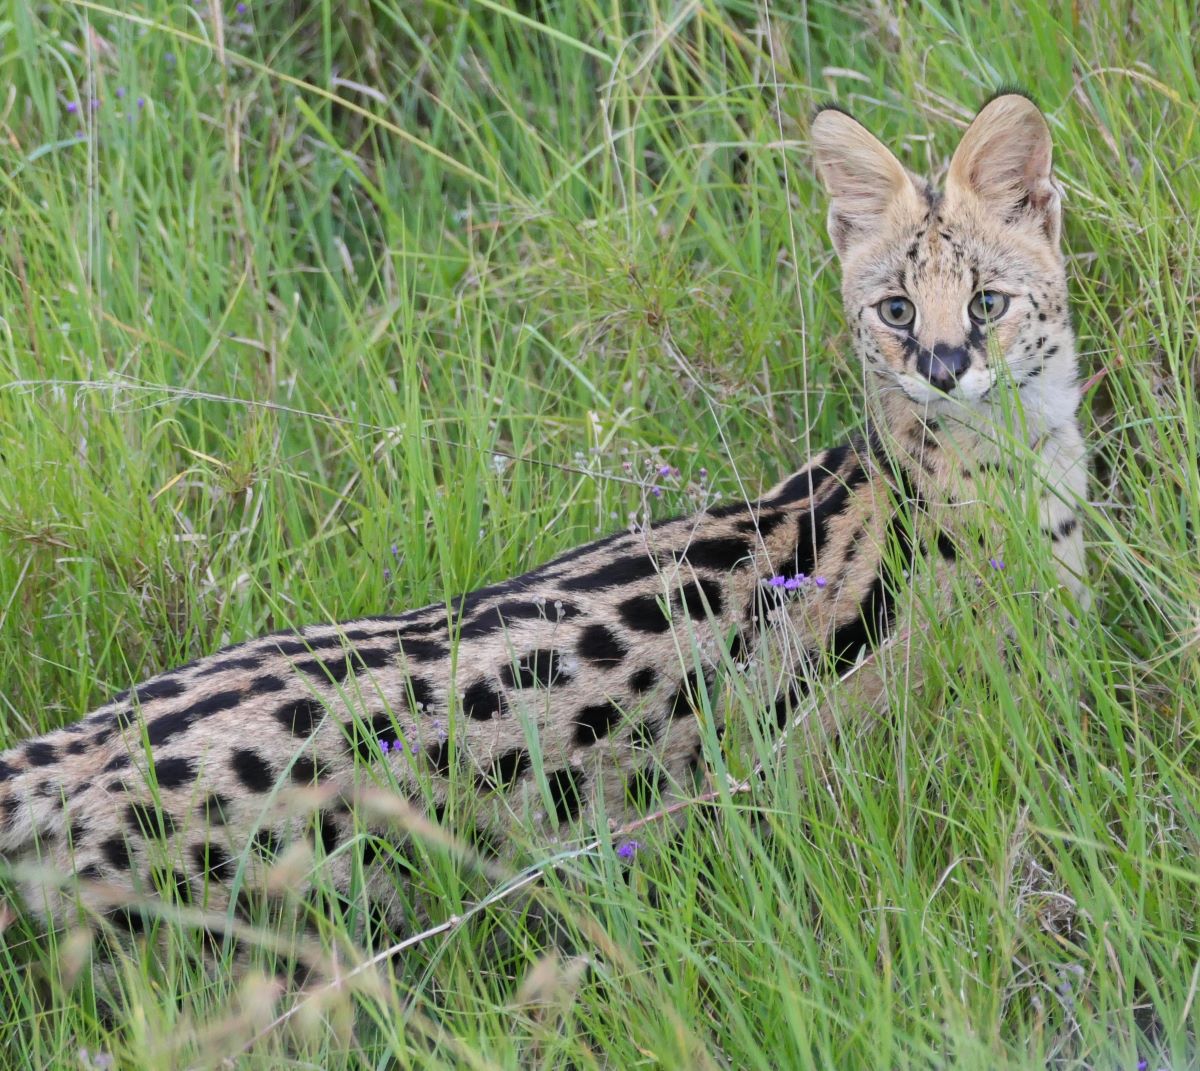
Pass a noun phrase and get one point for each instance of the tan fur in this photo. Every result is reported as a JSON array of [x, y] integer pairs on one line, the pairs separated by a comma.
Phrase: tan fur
[[598, 714]]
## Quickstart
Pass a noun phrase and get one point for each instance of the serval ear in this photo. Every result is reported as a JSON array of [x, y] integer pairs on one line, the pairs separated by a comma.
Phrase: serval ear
[[1004, 163], [863, 179]]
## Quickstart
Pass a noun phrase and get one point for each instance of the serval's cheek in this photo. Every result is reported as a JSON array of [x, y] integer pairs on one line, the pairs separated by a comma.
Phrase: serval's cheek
[[891, 349], [1004, 339]]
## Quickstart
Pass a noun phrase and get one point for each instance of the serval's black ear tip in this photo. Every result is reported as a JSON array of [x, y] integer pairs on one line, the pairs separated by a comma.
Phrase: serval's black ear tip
[[1009, 90]]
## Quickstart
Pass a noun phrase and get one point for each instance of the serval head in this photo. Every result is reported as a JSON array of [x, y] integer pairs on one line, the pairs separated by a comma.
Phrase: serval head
[[950, 295]]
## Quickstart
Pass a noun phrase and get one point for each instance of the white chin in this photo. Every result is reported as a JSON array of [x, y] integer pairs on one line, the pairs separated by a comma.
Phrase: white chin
[[969, 390]]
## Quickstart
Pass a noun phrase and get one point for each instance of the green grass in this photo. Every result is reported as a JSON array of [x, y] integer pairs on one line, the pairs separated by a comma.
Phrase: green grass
[[426, 276]]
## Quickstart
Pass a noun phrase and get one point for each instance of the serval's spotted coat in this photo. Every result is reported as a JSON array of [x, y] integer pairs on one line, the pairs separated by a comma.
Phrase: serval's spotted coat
[[580, 684]]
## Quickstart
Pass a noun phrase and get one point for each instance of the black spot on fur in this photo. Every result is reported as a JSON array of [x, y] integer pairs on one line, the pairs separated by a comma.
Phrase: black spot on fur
[[162, 688], [266, 842], [370, 850], [227, 665], [364, 738], [116, 852], [1064, 528], [301, 716], [505, 769], [252, 769], [78, 747], [370, 658], [812, 528], [946, 547], [420, 694], [600, 645], [685, 698], [807, 482], [482, 702], [439, 757], [174, 772], [694, 595], [762, 525], [594, 722], [645, 733], [304, 771], [645, 786], [539, 668], [788, 704], [214, 704], [126, 919], [497, 617], [166, 726], [644, 613], [419, 650], [148, 820], [720, 554], [328, 833], [212, 861], [7, 771], [214, 810], [866, 628], [333, 670], [117, 762], [40, 753], [292, 647], [612, 574], [267, 685], [643, 680], [566, 792]]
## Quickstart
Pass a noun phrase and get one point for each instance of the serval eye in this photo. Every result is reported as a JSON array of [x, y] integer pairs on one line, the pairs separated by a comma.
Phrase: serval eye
[[897, 311], [987, 306]]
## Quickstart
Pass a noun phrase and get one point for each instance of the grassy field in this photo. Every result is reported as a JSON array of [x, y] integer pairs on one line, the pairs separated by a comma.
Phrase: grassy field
[[310, 310]]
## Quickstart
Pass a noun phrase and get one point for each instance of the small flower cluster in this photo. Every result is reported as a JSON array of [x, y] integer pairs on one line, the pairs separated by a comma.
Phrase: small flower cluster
[[398, 558], [628, 849], [795, 583], [396, 747], [72, 106]]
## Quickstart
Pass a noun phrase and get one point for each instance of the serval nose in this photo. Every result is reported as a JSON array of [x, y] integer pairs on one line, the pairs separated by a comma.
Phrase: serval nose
[[943, 364]]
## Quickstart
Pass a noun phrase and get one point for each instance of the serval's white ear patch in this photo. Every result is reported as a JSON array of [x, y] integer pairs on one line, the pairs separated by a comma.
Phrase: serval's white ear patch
[[863, 179], [1004, 163]]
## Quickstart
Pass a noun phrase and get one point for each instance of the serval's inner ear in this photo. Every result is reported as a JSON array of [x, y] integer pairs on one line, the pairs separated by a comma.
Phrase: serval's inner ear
[[863, 179], [1004, 162]]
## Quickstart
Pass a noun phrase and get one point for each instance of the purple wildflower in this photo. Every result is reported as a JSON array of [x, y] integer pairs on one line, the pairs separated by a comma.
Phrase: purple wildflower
[[141, 102], [120, 92], [95, 104], [777, 581], [1142, 1065], [704, 474], [656, 491], [387, 574], [397, 747], [820, 581], [996, 563], [383, 746], [628, 850], [792, 583], [664, 470], [72, 106]]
